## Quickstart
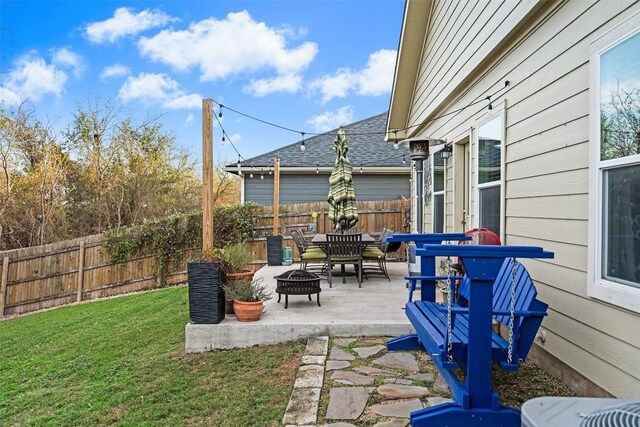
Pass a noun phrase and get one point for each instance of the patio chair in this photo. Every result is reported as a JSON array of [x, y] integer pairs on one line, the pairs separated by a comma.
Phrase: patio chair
[[378, 254], [308, 253], [343, 249]]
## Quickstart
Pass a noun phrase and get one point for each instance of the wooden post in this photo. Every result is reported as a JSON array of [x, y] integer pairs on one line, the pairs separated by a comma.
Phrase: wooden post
[[207, 175], [276, 197], [80, 272], [3, 284]]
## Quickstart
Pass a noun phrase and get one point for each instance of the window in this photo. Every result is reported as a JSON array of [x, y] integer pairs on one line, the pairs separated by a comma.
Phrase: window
[[615, 135], [438, 193], [489, 177]]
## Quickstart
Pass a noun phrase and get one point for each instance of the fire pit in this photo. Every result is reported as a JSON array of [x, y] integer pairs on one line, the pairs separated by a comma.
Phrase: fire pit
[[297, 282]]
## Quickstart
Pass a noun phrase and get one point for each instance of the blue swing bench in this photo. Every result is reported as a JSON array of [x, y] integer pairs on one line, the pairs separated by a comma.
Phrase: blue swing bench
[[486, 289], [528, 314]]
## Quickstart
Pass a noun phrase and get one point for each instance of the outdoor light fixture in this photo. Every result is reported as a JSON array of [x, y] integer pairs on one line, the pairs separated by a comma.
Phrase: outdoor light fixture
[[447, 151]]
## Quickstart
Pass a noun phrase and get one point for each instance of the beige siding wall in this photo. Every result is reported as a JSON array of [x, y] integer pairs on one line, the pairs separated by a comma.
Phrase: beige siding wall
[[547, 177]]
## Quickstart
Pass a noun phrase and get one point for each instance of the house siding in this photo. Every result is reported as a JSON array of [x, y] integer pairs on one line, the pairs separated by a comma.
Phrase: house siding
[[304, 188], [546, 156]]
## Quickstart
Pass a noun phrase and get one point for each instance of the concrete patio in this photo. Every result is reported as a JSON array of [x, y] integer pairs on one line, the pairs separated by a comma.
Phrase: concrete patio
[[376, 309]]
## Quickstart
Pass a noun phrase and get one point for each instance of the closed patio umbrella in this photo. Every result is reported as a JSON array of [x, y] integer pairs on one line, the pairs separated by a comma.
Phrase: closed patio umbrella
[[342, 197]]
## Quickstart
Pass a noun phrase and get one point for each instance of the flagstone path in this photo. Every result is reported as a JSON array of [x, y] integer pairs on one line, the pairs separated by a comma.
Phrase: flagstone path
[[360, 383]]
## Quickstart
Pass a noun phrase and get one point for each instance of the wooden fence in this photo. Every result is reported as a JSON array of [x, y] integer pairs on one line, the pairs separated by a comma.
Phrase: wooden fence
[[60, 273]]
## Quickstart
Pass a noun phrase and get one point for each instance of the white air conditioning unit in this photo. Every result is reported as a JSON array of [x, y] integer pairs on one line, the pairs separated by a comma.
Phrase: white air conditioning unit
[[580, 412]]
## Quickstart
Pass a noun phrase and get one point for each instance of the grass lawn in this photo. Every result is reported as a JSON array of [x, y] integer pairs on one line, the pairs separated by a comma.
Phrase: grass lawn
[[121, 362]]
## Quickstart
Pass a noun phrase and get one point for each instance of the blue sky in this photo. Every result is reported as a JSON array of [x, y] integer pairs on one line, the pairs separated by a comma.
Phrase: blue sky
[[306, 65]]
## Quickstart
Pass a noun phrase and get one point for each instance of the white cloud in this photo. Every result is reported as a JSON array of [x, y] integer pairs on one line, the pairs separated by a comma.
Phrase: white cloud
[[220, 48], [332, 119], [152, 88], [290, 83], [65, 57], [115, 70], [31, 78], [374, 79], [126, 23]]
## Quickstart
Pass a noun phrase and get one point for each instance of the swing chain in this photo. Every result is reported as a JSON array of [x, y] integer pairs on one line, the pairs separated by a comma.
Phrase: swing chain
[[449, 263], [512, 308]]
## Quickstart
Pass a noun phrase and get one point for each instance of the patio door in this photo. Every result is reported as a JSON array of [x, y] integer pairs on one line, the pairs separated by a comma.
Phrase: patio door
[[461, 188]]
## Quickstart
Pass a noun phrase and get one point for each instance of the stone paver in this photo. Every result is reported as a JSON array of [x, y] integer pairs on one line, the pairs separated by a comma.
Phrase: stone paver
[[371, 341], [317, 346], [395, 423], [339, 354], [337, 364], [398, 381], [351, 378], [313, 360], [309, 376], [368, 370], [339, 425], [303, 407], [346, 403], [427, 376], [397, 409], [436, 400], [343, 342], [400, 391], [398, 360], [365, 352], [440, 384]]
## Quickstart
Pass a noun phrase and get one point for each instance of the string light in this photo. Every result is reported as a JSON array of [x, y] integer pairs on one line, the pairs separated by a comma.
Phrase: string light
[[225, 136], [317, 168], [262, 174], [251, 174], [396, 145], [404, 161], [270, 171], [361, 170]]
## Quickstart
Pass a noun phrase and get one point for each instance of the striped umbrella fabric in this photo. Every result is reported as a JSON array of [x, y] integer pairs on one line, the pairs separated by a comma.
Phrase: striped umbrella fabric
[[342, 197]]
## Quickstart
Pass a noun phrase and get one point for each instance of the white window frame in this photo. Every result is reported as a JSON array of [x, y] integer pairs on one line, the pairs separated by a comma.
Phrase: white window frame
[[497, 112], [598, 287], [435, 193]]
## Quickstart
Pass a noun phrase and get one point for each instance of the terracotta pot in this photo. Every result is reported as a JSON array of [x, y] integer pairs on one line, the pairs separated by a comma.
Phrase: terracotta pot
[[245, 276], [248, 311]]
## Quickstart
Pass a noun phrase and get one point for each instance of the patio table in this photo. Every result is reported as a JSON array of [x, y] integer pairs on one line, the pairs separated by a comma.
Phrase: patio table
[[321, 240]]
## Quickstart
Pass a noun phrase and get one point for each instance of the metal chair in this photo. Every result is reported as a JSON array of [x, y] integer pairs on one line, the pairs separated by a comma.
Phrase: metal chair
[[343, 249], [308, 253], [378, 254]]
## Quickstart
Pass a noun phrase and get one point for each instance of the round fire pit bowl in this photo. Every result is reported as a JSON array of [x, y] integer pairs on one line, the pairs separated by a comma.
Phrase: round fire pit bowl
[[297, 282]]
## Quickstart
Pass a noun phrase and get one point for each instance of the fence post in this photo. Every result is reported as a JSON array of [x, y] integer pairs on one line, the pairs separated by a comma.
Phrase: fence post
[[80, 272], [3, 284]]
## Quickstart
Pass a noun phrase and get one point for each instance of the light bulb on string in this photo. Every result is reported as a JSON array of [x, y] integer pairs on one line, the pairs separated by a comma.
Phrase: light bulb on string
[[262, 174], [270, 172], [220, 111], [488, 98], [361, 170], [238, 161], [404, 160], [251, 174], [317, 168], [223, 139], [395, 143], [302, 147]]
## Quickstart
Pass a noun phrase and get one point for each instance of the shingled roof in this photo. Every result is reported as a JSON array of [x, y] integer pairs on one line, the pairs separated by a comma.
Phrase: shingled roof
[[367, 148]]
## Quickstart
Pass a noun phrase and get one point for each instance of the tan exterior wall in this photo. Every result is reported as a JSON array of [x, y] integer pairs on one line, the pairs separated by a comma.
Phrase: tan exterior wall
[[543, 50]]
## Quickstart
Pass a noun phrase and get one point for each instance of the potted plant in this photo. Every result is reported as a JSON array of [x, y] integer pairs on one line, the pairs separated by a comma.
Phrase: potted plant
[[205, 277], [248, 299], [236, 259]]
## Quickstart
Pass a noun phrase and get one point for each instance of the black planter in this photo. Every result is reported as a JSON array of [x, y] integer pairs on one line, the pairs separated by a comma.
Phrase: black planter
[[206, 296], [274, 250]]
